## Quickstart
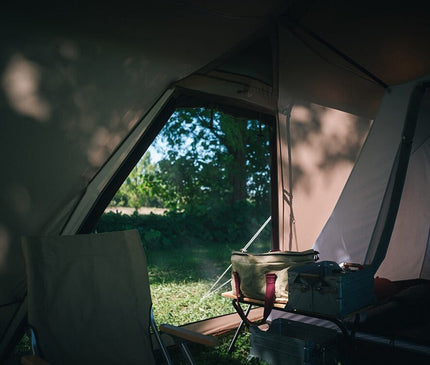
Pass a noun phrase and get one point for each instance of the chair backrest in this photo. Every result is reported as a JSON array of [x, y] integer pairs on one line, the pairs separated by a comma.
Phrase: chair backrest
[[89, 298]]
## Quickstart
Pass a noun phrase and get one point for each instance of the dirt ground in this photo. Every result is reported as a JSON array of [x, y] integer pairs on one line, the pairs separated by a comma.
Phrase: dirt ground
[[129, 211]]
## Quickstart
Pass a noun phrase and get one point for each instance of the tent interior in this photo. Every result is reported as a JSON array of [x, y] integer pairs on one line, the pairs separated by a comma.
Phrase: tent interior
[[85, 90]]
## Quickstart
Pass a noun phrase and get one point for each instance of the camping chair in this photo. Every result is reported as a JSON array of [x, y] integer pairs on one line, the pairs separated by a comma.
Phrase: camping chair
[[89, 301]]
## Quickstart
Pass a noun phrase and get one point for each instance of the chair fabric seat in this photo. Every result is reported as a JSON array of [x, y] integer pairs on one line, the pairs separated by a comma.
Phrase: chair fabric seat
[[89, 299]]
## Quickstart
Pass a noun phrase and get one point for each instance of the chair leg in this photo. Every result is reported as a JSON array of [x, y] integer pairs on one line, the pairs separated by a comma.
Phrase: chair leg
[[160, 342], [186, 352], [236, 335], [34, 343]]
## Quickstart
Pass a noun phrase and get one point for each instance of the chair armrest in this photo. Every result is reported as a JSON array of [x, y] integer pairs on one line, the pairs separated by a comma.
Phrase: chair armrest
[[189, 335], [33, 360]]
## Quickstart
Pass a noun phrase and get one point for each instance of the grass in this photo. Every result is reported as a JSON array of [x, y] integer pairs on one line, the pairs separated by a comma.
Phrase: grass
[[180, 278]]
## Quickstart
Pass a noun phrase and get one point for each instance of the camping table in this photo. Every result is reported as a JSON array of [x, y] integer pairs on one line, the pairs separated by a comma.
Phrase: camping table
[[281, 305]]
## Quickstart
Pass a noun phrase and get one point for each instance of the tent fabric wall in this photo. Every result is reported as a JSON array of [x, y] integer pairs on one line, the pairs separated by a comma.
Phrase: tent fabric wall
[[387, 39], [96, 186], [325, 143], [408, 244], [348, 232], [321, 77], [285, 205], [406, 255], [353, 225], [236, 89], [425, 271]]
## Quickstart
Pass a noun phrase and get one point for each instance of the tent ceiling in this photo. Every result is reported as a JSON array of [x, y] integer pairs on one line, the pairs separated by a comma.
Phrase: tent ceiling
[[258, 65], [387, 38], [339, 54]]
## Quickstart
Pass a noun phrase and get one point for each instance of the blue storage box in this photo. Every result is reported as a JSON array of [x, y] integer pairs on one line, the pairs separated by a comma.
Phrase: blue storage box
[[324, 288]]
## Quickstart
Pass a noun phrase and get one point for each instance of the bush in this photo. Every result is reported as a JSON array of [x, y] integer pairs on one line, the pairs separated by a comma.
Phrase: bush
[[212, 226]]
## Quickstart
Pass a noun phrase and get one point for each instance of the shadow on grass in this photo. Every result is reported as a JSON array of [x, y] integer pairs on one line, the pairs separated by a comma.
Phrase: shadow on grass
[[187, 264], [192, 263]]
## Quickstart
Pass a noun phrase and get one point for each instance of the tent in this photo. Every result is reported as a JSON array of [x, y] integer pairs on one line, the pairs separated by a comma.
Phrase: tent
[[85, 88]]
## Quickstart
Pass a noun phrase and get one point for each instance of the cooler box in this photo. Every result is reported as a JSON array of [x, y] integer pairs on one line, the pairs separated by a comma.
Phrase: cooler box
[[326, 289], [294, 343]]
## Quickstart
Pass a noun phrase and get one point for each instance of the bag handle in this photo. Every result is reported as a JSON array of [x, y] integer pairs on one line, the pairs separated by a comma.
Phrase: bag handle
[[269, 297]]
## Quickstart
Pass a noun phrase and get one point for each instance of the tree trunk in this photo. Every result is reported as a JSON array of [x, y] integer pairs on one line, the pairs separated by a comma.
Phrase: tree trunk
[[238, 176], [235, 141]]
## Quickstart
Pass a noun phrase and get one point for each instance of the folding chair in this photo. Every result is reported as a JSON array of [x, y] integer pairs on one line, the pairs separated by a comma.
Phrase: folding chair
[[89, 301]]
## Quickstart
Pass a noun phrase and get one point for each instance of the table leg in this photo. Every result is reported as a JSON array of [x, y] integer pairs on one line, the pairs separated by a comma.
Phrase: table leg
[[233, 341]]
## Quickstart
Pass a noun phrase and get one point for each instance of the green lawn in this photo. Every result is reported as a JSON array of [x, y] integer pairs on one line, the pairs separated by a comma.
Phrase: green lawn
[[180, 279]]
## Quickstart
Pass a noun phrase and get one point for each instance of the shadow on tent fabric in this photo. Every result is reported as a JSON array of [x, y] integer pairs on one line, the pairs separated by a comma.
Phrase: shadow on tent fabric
[[89, 301]]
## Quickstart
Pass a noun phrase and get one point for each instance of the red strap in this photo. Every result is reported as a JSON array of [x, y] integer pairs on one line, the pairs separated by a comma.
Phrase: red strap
[[269, 297], [237, 283], [236, 303]]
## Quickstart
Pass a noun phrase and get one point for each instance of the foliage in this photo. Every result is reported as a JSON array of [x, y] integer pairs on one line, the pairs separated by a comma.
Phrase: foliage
[[177, 229], [212, 162], [214, 178], [137, 190], [212, 159]]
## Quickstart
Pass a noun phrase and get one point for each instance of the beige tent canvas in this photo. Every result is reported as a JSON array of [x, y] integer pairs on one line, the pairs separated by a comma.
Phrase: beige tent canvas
[[84, 91]]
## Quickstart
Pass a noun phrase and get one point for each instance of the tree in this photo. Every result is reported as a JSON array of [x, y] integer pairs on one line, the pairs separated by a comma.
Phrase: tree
[[212, 159], [137, 190]]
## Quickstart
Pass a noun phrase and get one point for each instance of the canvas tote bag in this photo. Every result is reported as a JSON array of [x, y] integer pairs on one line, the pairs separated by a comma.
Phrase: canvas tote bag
[[264, 276]]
